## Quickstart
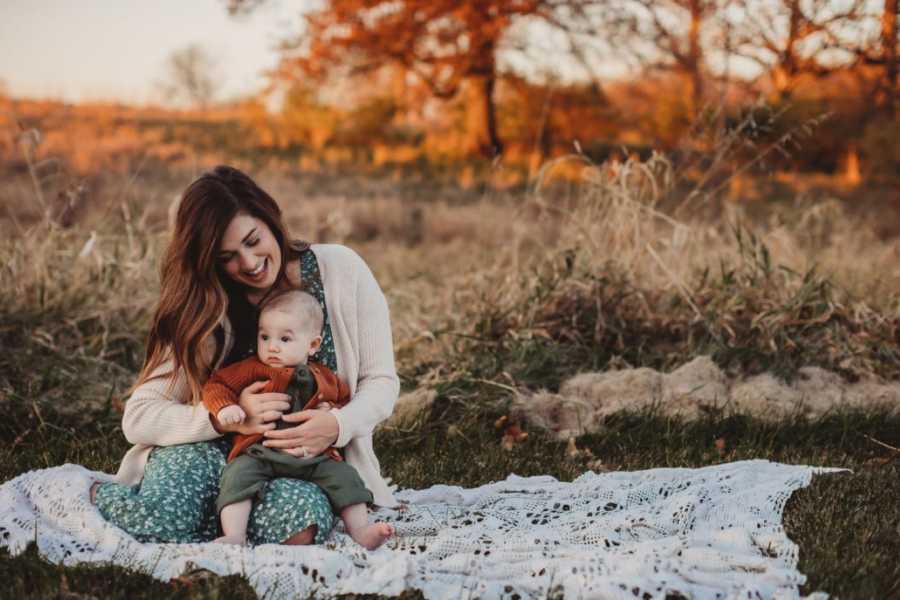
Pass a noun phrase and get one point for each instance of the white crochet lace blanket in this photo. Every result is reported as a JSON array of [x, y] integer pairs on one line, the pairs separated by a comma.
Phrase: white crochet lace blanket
[[713, 532]]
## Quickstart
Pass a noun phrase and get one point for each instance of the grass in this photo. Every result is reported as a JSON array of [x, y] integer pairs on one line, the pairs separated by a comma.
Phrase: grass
[[488, 293], [845, 524], [28, 576]]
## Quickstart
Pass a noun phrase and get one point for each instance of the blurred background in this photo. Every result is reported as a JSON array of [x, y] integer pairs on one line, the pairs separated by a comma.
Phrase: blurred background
[[800, 94], [733, 163]]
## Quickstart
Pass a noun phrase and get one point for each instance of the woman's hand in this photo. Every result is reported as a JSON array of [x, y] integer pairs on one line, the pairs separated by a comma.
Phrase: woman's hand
[[261, 409], [317, 431]]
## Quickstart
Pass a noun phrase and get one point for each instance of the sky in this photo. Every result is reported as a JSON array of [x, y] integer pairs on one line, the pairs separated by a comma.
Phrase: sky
[[117, 49], [78, 50]]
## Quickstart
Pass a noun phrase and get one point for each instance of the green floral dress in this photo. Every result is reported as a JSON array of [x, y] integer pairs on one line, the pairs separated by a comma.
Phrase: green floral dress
[[176, 500]]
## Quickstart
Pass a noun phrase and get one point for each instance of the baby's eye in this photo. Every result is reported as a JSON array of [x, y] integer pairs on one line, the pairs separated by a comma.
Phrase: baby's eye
[[263, 337], [285, 339]]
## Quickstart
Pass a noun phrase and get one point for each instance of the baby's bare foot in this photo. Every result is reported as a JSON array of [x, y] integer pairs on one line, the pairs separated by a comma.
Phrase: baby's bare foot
[[373, 535], [231, 539]]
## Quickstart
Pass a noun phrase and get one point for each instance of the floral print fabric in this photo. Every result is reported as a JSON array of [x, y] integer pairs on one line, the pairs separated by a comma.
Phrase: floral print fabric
[[176, 500], [312, 283]]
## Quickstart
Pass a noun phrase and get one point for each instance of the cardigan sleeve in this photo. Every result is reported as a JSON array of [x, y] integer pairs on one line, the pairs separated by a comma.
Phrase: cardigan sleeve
[[377, 384], [224, 386], [160, 412]]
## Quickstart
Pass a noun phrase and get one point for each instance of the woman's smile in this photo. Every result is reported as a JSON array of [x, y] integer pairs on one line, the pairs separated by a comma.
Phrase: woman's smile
[[249, 253], [259, 272]]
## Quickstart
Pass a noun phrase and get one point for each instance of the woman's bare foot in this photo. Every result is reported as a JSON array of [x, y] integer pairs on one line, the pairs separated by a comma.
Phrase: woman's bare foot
[[231, 539], [373, 535]]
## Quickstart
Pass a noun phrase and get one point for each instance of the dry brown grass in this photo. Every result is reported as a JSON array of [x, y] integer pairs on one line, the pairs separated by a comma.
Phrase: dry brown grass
[[495, 296], [494, 266]]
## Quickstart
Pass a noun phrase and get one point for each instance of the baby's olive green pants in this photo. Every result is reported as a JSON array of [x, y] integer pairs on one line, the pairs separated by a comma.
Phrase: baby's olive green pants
[[248, 475]]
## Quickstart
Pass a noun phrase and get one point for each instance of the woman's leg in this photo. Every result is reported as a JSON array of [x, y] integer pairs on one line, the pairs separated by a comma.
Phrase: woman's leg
[[304, 538], [175, 502], [291, 512]]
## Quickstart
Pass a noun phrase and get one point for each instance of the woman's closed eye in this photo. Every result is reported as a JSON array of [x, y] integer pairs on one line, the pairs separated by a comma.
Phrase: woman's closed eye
[[227, 256]]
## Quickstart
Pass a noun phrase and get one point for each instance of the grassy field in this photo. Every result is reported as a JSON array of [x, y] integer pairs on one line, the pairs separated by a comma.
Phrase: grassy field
[[492, 293], [845, 525]]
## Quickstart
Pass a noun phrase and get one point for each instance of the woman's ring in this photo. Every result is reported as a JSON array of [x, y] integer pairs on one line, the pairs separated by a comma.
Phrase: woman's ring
[[303, 451]]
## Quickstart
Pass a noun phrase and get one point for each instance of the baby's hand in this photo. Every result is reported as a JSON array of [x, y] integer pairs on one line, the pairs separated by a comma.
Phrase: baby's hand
[[231, 415]]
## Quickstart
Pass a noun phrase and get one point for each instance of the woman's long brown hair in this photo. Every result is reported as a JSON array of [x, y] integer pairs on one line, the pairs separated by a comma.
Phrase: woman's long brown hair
[[195, 293]]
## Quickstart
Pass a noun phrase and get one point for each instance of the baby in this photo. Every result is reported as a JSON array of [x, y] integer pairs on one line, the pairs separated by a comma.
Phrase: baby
[[289, 327]]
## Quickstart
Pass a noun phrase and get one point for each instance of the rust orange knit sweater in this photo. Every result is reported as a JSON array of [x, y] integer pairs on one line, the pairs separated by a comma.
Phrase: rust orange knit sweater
[[225, 385]]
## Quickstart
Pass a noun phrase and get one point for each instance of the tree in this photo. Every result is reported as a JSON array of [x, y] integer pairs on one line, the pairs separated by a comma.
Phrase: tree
[[883, 52], [889, 39], [450, 45], [306, 120], [191, 77], [545, 118], [668, 35], [790, 39], [877, 63]]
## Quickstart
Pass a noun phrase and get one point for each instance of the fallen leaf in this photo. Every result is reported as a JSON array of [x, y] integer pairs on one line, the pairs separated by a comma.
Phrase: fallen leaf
[[513, 435], [720, 445], [878, 461], [181, 581], [191, 577], [20, 438], [574, 452], [598, 465]]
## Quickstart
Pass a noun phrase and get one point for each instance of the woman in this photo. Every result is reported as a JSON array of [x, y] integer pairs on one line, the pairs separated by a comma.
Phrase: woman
[[228, 252]]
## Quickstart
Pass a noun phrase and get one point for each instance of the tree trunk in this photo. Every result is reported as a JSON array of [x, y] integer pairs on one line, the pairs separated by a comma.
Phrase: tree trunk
[[399, 92], [543, 143], [851, 174], [889, 55], [784, 75], [695, 57], [495, 146], [481, 116]]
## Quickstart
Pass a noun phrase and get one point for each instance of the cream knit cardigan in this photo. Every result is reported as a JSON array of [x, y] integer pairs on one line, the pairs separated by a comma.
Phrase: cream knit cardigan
[[160, 412]]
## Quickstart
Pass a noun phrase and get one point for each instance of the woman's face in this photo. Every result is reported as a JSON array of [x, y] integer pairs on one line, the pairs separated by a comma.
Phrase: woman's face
[[249, 253]]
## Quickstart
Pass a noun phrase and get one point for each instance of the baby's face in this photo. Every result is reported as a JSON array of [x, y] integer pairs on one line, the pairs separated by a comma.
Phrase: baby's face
[[282, 340]]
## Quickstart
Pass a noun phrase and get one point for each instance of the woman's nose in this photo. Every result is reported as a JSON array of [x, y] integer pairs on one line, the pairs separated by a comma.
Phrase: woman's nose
[[248, 261]]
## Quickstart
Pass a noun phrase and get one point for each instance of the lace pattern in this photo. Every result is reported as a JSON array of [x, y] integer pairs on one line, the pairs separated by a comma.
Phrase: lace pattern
[[707, 533]]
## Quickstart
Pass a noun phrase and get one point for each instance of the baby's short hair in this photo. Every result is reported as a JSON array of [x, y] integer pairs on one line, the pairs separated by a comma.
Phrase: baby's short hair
[[297, 303]]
